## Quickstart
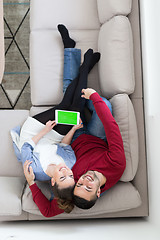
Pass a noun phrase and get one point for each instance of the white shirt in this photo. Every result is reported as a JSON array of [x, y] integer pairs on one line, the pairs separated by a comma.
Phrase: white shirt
[[46, 147]]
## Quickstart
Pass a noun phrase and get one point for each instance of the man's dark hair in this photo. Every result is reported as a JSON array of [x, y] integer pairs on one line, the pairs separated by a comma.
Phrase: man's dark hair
[[83, 203]]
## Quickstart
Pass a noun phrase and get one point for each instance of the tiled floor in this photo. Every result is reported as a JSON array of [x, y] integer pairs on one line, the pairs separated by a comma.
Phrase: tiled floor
[[15, 87]]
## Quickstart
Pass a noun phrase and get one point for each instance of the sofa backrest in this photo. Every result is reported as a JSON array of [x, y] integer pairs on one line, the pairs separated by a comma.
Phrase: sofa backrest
[[108, 9], [98, 24], [82, 16]]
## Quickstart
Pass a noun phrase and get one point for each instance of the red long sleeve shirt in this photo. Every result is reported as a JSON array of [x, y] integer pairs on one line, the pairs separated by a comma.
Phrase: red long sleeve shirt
[[46, 207], [92, 153]]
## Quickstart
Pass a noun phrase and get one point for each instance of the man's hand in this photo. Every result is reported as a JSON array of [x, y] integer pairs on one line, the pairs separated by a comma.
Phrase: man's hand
[[87, 93], [28, 172]]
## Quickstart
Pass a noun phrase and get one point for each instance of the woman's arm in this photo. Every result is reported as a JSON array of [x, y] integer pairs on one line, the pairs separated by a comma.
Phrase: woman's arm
[[28, 172], [68, 138], [49, 125], [28, 146], [47, 208]]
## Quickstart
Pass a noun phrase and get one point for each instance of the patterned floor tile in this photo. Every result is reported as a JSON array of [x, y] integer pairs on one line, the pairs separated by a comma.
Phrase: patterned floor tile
[[15, 87], [14, 61], [4, 102], [24, 102]]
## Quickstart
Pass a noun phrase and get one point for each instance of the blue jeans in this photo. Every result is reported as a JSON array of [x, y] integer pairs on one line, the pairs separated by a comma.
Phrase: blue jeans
[[72, 60], [94, 126]]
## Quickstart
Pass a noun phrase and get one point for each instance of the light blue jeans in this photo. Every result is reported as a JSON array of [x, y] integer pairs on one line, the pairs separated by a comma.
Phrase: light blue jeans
[[72, 61]]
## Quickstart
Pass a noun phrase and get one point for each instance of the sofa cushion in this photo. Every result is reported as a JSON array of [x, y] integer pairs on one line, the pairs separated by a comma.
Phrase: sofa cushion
[[109, 8], [10, 119], [11, 189], [46, 60], [36, 110], [124, 115], [71, 13], [116, 67], [46, 63], [122, 196]]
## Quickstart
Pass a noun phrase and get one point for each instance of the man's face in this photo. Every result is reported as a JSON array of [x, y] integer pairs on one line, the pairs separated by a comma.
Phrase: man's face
[[63, 176], [87, 186]]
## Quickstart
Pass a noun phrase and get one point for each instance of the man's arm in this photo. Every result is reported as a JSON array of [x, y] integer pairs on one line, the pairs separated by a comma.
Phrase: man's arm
[[47, 208], [112, 131]]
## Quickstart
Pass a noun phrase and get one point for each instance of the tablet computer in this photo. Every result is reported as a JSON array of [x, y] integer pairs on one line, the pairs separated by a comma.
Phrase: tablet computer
[[67, 117]]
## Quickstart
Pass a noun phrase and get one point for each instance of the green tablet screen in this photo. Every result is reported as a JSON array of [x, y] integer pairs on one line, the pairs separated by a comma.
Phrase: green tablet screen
[[67, 117]]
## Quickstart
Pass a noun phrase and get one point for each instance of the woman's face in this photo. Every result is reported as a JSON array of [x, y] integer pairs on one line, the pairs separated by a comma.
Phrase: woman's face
[[63, 176]]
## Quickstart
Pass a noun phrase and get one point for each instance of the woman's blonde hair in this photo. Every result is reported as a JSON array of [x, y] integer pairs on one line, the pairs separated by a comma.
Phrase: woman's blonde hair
[[65, 205]]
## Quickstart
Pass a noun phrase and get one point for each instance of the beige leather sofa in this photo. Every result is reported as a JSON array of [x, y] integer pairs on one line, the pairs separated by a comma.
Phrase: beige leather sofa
[[1, 42], [113, 28]]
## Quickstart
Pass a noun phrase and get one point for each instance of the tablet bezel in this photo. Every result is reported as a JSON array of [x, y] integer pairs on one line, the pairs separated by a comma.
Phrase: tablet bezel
[[56, 116]]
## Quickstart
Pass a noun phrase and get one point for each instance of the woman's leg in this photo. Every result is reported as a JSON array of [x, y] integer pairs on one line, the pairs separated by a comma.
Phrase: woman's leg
[[79, 102], [72, 98], [65, 104]]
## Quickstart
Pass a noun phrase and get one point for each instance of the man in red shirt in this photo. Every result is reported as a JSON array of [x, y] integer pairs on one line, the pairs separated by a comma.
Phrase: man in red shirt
[[99, 164]]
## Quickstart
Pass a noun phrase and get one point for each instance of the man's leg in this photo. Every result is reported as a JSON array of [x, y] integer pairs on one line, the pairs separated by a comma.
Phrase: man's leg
[[95, 126], [72, 62], [72, 57], [68, 42]]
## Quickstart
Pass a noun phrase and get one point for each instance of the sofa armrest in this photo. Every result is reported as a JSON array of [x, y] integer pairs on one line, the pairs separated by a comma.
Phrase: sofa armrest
[[8, 161], [11, 189]]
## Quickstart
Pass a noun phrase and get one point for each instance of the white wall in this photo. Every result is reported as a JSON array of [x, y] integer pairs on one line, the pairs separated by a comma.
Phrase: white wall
[[150, 24]]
